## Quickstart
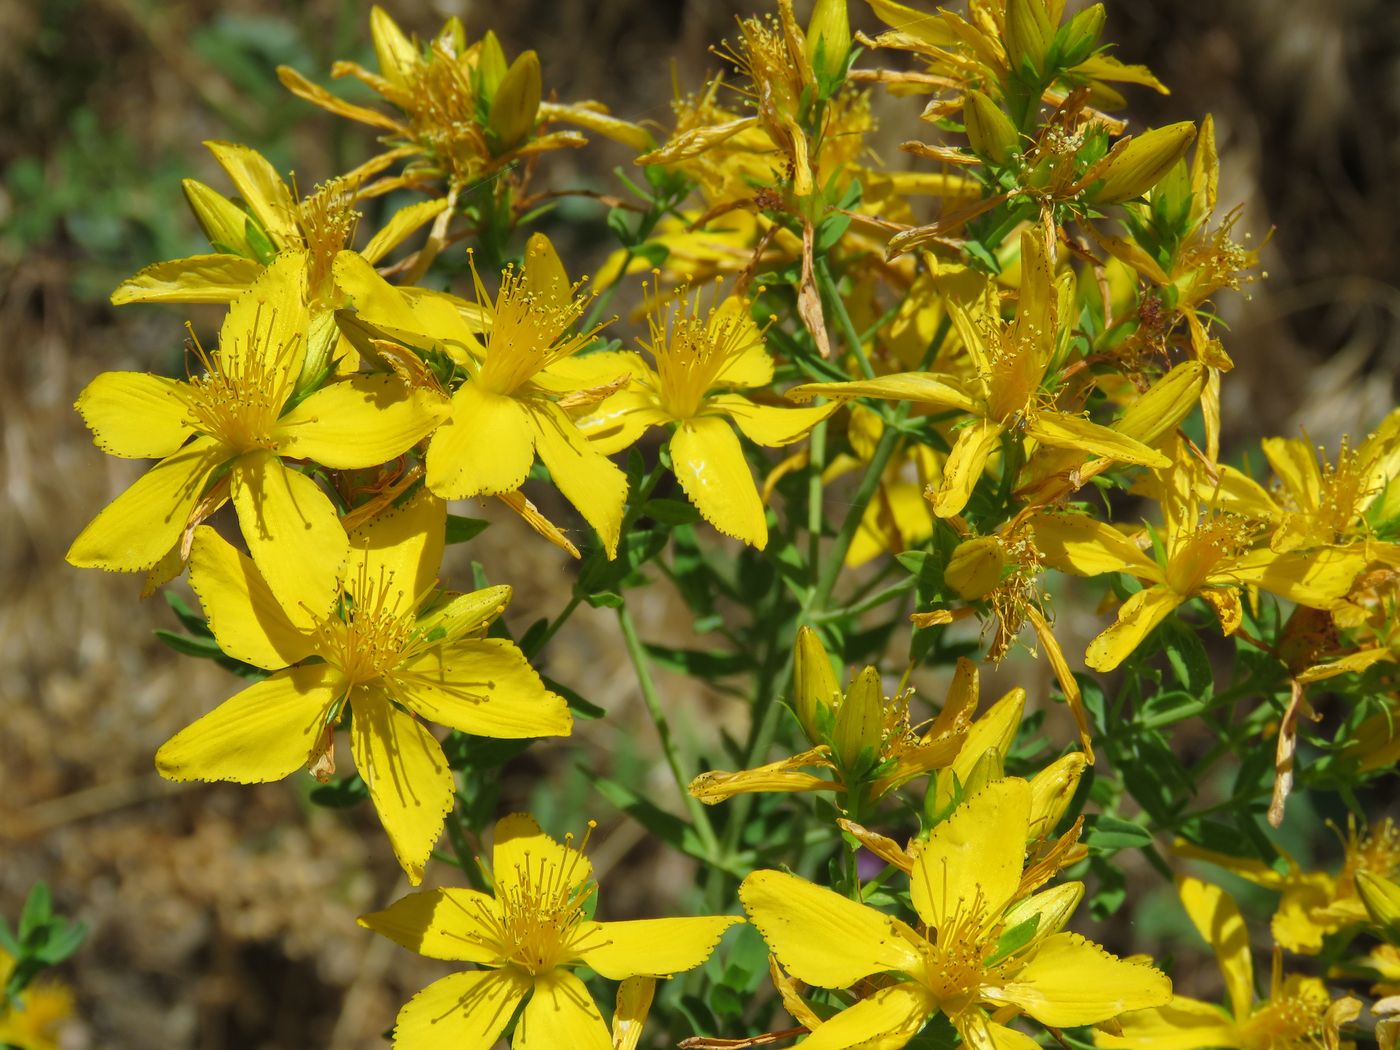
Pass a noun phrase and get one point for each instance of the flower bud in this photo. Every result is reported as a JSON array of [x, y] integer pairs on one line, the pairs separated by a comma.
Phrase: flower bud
[[223, 222], [859, 720], [1028, 34], [815, 683], [1381, 898], [1139, 165], [490, 66], [1051, 791], [828, 39], [975, 568], [989, 130], [517, 102], [1081, 34], [1052, 909]]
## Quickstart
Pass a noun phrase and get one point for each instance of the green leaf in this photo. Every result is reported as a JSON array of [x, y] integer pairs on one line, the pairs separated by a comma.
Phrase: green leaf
[[341, 793], [460, 528], [670, 512], [1110, 834], [577, 704], [700, 663], [189, 619], [1187, 657], [38, 910], [204, 648]]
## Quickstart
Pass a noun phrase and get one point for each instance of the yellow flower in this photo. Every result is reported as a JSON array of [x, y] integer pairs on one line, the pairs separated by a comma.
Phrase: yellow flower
[[984, 951], [526, 938], [702, 360], [225, 435], [862, 737], [523, 381], [36, 1021], [1205, 553], [1012, 363], [1314, 904], [1298, 1014], [392, 652], [466, 112], [314, 230]]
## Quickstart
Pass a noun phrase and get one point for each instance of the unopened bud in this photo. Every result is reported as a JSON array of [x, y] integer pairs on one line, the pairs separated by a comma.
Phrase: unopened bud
[[1143, 162], [989, 130], [517, 102], [829, 39], [490, 66], [1381, 898], [1051, 791], [1081, 35], [859, 720], [1028, 34], [814, 681]]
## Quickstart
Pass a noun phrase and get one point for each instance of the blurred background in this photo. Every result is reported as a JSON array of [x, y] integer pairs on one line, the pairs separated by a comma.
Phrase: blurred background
[[224, 916]]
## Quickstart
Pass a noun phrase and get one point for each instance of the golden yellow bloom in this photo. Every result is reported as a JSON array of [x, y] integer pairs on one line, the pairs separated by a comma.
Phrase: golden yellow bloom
[[225, 435], [1299, 1013], [393, 651], [1012, 363], [466, 112], [1206, 553], [36, 1021], [984, 951], [702, 360], [526, 937], [1314, 904], [860, 736]]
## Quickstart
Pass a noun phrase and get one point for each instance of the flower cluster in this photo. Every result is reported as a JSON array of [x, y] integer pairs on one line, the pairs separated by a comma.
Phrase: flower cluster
[[994, 367]]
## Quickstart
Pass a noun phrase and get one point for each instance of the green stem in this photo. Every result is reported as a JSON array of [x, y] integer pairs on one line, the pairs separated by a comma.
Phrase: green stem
[[838, 307], [641, 663], [554, 626]]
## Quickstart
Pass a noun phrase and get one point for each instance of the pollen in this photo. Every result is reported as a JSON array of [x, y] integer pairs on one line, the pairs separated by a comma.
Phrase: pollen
[[327, 221], [529, 332], [693, 347], [240, 396], [374, 630]]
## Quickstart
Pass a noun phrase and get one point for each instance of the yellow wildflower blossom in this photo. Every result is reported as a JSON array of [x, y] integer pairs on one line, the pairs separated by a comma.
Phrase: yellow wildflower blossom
[[225, 435], [1299, 1013], [984, 950], [36, 1021], [525, 938], [702, 360], [1314, 904], [392, 652], [1206, 553], [1012, 363], [862, 737], [466, 112]]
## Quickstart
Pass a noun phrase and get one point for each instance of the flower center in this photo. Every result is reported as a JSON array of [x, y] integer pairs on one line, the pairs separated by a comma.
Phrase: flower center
[[370, 637], [692, 350], [240, 396], [327, 223], [529, 332], [1216, 539], [957, 967]]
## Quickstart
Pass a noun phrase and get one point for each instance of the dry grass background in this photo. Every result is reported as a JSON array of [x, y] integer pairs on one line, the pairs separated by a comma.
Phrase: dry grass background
[[223, 916]]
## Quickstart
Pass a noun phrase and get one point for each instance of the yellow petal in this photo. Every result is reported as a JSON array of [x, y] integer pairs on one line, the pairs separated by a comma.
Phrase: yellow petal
[[197, 279], [588, 479], [523, 856], [466, 1011], [964, 466], [263, 336], [261, 188], [400, 226], [416, 317], [318, 96], [620, 420], [486, 446], [397, 55], [923, 388], [1071, 981], [1183, 1024], [560, 1014], [710, 465], [545, 275], [823, 938], [1085, 546], [696, 141], [884, 1021], [453, 924], [292, 531], [1141, 163], [1315, 579], [243, 614], [398, 553], [263, 733], [1055, 656], [993, 731], [136, 415], [650, 947], [139, 527], [634, 997], [358, 422], [1136, 619], [1061, 430], [980, 1033], [407, 776], [1216, 916], [971, 863], [590, 119], [1165, 404], [1295, 463], [483, 686], [766, 424]]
